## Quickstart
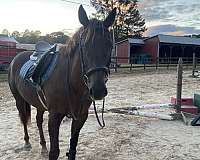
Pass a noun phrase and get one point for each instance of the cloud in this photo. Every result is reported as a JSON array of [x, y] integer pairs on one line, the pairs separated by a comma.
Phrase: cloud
[[174, 12], [154, 9], [171, 30]]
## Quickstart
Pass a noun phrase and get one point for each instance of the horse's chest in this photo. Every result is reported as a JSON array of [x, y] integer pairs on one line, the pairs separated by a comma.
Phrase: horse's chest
[[59, 100]]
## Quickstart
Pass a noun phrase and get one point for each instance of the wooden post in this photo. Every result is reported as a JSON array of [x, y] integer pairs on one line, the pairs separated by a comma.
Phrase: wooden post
[[194, 64], [116, 64], [131, 59], [179, 84], [157, 63], [168, 63]]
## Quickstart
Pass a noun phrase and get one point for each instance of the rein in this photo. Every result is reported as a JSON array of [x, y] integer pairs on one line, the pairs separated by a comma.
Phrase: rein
[[86, 74], [102, 125]]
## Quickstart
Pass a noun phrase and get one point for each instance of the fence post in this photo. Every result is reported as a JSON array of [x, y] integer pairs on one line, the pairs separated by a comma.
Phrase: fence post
[[194, 64], [131, 59], [168, 63], [115, 64], [179, 85], [156, 63]]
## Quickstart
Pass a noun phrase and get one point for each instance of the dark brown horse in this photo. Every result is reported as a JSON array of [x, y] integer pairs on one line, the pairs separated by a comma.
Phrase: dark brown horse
[[79, 78]]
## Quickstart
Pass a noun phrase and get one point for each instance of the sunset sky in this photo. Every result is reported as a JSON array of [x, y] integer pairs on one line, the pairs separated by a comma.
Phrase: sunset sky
[[176, 17]]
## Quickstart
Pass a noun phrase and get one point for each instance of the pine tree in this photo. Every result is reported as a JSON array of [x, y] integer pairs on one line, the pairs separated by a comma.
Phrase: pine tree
[[128, 22]]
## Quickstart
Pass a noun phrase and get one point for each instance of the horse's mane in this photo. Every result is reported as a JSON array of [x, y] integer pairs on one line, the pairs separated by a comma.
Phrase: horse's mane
[[73, 43]]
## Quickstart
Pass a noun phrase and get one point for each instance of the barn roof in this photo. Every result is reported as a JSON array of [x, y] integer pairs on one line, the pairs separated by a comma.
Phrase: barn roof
[[7, 39], [31, 47], [132, 41], [135, 41], [28, 47], [177, 39]]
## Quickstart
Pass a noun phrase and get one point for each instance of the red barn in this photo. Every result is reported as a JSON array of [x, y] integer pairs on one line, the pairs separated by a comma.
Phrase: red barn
[[7, 50], [159, 46], [166, 46], [128, 47]]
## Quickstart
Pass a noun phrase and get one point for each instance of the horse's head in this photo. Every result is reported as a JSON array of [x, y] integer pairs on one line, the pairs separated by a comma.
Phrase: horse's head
[[95, 52]]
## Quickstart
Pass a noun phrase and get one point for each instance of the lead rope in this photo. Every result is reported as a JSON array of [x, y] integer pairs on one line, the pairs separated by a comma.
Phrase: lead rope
[[102, 124]]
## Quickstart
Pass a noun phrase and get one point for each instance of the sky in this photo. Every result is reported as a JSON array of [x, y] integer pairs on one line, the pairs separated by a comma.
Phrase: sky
[[174, 17]]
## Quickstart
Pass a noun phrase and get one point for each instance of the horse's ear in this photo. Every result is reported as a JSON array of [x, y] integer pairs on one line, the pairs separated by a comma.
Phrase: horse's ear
[[110, 18], [83, 16]]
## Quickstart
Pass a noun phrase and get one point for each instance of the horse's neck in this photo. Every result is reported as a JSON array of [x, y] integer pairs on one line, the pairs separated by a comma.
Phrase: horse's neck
[[74, 70]]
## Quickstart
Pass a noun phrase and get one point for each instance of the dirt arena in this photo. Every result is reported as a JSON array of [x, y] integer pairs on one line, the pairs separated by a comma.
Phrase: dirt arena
[[125, 137]]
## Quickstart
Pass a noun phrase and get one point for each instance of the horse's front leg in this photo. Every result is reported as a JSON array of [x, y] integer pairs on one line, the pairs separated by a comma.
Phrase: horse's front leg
[[53, 126], [75, 130]]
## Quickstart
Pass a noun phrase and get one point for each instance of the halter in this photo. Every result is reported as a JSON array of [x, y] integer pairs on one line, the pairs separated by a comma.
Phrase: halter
[[90, 71]]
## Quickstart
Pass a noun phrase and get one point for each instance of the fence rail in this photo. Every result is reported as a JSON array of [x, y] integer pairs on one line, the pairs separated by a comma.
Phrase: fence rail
[[131, 63]]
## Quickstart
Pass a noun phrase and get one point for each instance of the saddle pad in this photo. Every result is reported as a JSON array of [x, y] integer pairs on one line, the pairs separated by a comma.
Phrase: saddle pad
[[27, 69]]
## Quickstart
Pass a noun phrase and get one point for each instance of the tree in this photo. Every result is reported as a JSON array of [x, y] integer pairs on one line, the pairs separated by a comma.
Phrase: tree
[[5, 32], [37, 33], [128, 22], [59, 37], [15, 34], [32, 37], [56, 37]]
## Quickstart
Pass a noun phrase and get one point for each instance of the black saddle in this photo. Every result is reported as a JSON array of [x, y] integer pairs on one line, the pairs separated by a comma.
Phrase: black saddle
[[41, 48], [41, 63]]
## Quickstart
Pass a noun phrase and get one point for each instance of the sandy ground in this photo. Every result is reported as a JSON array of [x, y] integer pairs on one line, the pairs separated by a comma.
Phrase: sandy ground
[[125, 137]]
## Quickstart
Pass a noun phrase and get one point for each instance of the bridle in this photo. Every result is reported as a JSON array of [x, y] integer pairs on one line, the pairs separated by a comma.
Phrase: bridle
[[89, 72]]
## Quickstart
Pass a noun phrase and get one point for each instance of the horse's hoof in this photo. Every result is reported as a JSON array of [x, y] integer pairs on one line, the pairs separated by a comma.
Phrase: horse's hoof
[[27, 147], [67, 154]]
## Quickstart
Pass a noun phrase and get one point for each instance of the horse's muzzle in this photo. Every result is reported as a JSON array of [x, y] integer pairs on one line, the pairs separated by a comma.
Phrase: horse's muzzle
[[98, 93]]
